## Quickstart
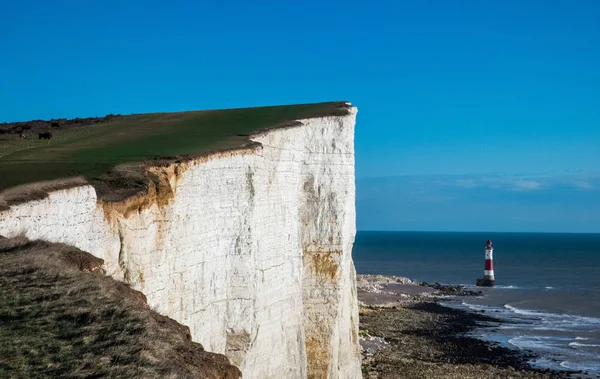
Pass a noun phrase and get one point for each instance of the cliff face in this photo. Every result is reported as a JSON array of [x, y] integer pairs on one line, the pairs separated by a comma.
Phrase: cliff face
[[251, 249]]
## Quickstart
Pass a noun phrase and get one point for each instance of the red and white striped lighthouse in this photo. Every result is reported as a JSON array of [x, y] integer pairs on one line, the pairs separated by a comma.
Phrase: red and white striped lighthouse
[[488, 269]]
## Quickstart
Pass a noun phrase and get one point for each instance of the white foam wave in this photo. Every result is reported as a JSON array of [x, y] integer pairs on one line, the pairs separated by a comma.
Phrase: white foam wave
[[527, 343], [549, 288], [583, 344], [474, 307], [551, 328], [588, 366], [504, 326], [544, 320], [546, 363], [568, 320], [525, 312], [556, 337], [565, 364]]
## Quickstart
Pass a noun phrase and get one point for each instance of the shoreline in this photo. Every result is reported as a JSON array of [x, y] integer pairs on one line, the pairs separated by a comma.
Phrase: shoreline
[[406, 333]]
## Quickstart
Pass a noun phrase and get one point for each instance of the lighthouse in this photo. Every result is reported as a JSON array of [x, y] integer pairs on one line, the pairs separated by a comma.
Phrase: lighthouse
[[488, 269]]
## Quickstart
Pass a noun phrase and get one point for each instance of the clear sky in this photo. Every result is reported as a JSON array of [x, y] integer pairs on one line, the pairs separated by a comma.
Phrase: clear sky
[[487, 106]]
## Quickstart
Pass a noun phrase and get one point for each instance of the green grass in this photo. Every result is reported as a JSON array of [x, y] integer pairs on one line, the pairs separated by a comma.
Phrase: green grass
[[61, 317], [92, 151]]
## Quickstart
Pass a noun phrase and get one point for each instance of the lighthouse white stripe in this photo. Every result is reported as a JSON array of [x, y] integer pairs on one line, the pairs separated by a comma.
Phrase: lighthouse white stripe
[[488, 272]]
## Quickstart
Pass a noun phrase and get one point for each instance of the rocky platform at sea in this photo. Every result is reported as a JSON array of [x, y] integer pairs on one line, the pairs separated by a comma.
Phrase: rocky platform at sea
[[406, 333]]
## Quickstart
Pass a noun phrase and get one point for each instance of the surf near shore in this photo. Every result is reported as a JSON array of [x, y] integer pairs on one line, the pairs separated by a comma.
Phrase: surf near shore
[[406, 333]]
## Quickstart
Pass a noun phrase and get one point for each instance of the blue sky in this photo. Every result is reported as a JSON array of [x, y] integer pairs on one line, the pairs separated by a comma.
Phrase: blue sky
[[448, 92]]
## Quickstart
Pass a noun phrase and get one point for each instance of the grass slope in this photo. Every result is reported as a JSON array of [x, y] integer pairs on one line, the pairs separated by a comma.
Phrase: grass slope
[[61, 317], [92, 151]]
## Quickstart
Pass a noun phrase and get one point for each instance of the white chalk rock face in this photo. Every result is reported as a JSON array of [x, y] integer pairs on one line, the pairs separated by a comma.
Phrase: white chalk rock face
[[252, 251]]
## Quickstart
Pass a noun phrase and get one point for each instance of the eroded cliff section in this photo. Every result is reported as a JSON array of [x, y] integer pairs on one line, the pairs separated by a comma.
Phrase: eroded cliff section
[[250, 248]]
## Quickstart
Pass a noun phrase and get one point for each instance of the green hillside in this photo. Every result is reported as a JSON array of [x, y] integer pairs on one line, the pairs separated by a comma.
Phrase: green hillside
[[92, 151]]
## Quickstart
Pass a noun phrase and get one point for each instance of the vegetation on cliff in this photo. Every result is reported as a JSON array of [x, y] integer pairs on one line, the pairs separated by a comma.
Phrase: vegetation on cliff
[[113, 153], [60, 316]]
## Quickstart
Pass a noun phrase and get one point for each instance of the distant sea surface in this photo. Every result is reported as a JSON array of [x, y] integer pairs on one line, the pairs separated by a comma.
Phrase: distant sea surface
[[547, 285]]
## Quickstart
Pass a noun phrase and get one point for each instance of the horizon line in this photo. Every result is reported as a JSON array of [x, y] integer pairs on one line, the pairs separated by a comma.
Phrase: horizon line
[[474, 231]]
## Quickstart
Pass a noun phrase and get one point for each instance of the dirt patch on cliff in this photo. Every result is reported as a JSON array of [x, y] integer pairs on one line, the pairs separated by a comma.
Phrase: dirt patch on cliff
[[317, 356], [322, 267], [60, 316], [324, 264]]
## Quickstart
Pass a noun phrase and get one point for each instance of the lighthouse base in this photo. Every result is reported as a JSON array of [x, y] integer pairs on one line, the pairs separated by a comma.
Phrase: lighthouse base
[[484, 283]]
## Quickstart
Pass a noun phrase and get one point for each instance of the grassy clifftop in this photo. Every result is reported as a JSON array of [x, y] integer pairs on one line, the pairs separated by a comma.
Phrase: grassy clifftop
[[93, 150], [60, 316]]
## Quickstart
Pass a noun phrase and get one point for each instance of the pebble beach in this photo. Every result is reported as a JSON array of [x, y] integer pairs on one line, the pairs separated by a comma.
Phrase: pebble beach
[[406, 333]]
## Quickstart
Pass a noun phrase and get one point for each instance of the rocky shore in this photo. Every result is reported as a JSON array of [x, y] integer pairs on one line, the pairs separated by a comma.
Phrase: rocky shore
[[405, 333]]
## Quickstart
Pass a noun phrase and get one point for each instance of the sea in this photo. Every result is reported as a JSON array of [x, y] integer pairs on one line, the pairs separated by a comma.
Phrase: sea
[[547, 290]]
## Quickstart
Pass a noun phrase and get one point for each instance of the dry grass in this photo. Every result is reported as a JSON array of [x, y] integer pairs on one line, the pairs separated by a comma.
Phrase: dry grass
[[60, 316], [36, 191]]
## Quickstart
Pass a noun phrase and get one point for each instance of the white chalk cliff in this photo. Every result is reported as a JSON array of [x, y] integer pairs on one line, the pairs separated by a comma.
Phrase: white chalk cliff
[[251, 250]]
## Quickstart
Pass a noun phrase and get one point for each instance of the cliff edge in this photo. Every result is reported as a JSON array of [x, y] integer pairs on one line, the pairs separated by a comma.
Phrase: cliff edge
[[249, 246]]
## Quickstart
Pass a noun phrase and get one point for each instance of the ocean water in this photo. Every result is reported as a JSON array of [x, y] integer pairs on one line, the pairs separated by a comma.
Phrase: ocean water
[[547, 285]]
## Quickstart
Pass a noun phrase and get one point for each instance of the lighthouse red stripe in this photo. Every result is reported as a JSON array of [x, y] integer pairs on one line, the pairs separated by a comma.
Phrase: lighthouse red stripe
[[489, 264]]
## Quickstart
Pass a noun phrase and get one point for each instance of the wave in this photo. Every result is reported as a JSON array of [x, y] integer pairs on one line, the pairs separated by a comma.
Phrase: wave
[[525, 312], [565, 364], [553, 344], [508, 287], [590, 366], [583, 344], [548, 321], [556, 338], [551, 328], [496, 286], [569, 321], [542, 362], [474, 307]]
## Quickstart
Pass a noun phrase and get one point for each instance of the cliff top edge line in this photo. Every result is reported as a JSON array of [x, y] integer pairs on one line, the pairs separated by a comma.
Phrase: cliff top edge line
[[117, 154]]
